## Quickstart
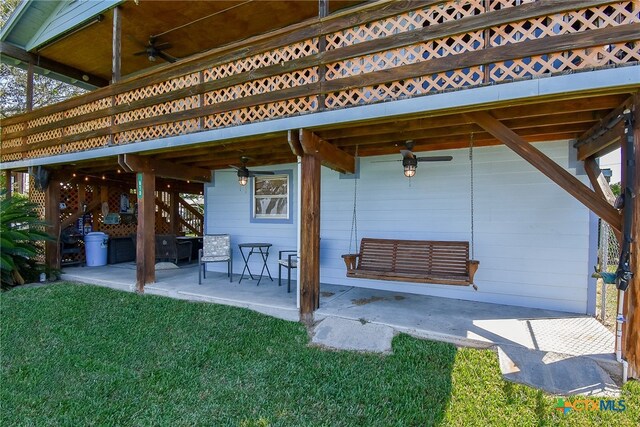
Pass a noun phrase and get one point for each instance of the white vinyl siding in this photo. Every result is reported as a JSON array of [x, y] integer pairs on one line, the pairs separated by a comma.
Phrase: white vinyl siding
[[531, 237]]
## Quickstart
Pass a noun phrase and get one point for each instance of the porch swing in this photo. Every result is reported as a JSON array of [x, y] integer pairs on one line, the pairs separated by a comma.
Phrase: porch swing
[[417, 261]]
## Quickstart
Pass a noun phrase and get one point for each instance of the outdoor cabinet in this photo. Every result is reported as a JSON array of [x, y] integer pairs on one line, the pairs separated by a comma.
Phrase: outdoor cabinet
[[121, 249]]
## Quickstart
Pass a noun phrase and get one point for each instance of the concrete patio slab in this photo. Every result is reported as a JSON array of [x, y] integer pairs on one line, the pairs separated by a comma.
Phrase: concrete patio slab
[[536, 346], [475, 324]]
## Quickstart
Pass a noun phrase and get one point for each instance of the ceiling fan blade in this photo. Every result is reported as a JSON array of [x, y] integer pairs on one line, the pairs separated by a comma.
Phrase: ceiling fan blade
[[435, 159], [161, 46], [254, 173], [386, 161], [407, 153], [142, 52], [235, 167], [166, 57]]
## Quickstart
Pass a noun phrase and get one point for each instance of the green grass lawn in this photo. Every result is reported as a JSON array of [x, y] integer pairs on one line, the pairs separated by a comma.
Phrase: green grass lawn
[[79, 355]]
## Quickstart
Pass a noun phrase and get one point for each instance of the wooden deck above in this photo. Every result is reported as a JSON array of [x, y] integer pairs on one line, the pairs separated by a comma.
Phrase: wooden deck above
[[375, 53]]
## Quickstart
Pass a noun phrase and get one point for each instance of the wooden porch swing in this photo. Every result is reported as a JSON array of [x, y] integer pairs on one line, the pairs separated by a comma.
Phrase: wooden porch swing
[[418, 261]]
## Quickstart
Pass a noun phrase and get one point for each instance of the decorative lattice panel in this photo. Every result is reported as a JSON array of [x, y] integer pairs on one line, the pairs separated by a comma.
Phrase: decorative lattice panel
[[283, 81], [118, 230], [159, 88], [429, 16], [14, 128], [87, 144], [90, 107], [158, 110], [262, 112], [44, 136], [69, 196], [276, 56], [159, 131], [36, 196], [572, 22], [47, 151], [566, 61], [44, 120], [408, 55], [9, 143], [87, 126], [12, 156]]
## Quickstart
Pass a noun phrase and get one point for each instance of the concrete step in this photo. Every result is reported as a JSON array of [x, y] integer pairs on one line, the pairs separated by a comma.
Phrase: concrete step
[[345, 334]]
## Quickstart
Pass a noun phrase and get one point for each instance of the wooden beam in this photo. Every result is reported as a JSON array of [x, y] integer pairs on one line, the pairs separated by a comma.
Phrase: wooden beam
[[330, 155], [631, 330], [604, 122], [294, 143], [309, 237], [163, 168], [551, 169], [116, 51], [52, 218], [145, 237], [606, 142], [47, 64], [30, 87], [598, 180]]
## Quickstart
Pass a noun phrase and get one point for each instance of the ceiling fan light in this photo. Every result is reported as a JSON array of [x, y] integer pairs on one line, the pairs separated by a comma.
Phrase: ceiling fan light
[[243, 176], [410, 165], [152, 58]]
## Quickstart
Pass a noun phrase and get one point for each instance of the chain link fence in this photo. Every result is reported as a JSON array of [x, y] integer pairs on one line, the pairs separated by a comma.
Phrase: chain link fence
[[608, 256]]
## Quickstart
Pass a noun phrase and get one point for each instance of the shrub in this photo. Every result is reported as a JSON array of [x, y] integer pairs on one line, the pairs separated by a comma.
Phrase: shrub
[[21, 231]]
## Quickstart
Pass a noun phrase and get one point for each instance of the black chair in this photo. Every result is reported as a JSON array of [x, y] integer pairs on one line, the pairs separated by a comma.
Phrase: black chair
[[289, 262]]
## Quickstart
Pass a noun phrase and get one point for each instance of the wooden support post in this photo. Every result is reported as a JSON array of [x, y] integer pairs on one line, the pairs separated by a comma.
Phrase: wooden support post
[[7, 183], [174, 212], [52, 218], [145, 237], [116, 53], [309, 237], [30, 87], [631, 330], [551, 169]]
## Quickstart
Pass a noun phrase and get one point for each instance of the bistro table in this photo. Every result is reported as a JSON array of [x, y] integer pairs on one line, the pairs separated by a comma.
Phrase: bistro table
[[263, 250]]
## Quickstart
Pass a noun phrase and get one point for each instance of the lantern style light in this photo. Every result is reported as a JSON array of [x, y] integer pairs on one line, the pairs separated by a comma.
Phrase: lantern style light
[[410, 164], [243, 176]]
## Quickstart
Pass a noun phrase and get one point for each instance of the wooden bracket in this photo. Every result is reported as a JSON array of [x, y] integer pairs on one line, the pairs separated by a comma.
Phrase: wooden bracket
[[551, 169], [294, 143], [329, 155]]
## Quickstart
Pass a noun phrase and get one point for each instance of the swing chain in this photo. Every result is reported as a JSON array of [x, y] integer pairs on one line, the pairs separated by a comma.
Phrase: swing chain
[[354, 218], [471, 164]]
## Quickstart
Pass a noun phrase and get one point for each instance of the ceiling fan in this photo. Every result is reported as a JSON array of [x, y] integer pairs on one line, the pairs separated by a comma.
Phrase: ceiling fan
[[410, 161], [154, 51], [244, 173]]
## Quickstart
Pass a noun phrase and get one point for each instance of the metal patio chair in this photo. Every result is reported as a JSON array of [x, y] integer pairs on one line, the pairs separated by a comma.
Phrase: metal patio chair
[[215, 248]]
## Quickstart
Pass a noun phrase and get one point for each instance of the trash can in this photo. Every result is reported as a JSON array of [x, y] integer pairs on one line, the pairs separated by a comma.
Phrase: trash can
[[96, 248]]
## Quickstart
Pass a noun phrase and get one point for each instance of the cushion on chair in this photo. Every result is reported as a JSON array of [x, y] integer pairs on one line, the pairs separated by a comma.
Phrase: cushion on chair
[[285, 263], [216, 246], [214, 258]]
